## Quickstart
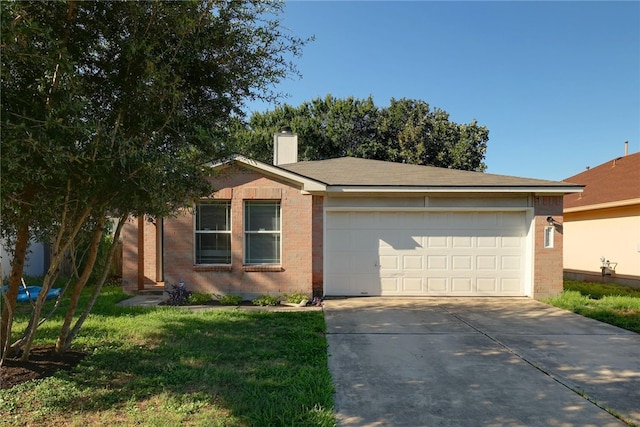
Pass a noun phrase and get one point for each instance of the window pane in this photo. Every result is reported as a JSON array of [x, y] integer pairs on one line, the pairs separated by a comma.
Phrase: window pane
[[262, 248], [262, 216], [213, 216], [213, 248]]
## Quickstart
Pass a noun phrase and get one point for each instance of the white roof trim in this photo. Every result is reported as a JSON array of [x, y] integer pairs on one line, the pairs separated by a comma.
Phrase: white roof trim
[[452, 189], [608, 205]]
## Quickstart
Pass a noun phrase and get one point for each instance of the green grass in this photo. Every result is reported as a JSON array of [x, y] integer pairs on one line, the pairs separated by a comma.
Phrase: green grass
[[170, 366], [613, 304]]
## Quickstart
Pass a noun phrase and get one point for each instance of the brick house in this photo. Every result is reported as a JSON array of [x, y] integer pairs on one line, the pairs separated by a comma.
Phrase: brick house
[[604, 222], [350, 226]]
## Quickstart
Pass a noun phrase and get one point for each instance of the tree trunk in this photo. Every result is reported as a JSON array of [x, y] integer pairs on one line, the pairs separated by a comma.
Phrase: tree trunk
[[80, 283], [61, 244], [98, 287], [10, 297]]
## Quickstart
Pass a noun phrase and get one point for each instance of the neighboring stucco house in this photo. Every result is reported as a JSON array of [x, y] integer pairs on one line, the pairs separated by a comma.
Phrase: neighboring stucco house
[[355, 227], [604, 222]]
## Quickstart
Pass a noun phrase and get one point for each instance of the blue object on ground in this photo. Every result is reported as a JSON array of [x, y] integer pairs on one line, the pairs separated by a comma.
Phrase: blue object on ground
[[33, 292]]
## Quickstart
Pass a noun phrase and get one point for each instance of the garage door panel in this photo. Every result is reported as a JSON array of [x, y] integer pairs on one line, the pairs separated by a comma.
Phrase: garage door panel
[[413, 262], [510, 285], [412, 285], [461, 262], [511, 242], [461, 284], [487, 284], [390, 285], [487, 262], [462, 242], [437, 285], [511, 263], [437, 262], [429, 253], [487, 242], [437, 242], [390, 262]]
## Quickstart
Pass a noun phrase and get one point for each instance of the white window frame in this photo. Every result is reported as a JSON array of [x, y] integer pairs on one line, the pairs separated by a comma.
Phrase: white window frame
[[246, 205], [549, 232], [197, 231]]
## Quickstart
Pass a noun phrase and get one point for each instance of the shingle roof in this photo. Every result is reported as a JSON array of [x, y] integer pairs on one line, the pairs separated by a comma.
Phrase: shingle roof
[[614, 181], [350, 171]]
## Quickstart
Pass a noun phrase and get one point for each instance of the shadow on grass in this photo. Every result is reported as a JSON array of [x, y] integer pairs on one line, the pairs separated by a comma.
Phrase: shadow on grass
[[258, 368]]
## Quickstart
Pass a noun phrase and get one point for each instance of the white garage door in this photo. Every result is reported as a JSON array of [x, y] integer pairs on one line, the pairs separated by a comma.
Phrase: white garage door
[[425, 253]]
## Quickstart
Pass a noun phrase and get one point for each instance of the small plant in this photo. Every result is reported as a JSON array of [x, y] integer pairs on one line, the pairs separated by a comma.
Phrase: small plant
[[178, 295], [295, 298], [229, 299], [198, 298], [264, 300]]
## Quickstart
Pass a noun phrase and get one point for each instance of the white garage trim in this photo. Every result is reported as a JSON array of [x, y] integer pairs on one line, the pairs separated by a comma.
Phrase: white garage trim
[[428, 251]]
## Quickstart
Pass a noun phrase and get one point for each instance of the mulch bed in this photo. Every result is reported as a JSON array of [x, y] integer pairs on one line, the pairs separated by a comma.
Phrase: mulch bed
[[43, 362]]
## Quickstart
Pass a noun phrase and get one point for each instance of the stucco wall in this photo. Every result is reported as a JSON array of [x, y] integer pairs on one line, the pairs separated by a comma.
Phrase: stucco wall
[[610, 233]]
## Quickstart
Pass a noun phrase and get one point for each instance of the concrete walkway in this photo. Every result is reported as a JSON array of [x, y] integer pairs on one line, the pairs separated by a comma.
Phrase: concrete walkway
[[478, 362]]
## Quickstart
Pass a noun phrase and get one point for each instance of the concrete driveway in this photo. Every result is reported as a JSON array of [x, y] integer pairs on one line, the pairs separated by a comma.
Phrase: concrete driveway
[[478, 362]]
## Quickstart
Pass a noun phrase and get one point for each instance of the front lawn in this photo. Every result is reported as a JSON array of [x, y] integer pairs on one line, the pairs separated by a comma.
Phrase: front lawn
[[169, 366], [613, 304]]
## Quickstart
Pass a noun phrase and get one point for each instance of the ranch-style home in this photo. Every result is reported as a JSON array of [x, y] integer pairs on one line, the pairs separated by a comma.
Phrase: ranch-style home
[[355, 227]]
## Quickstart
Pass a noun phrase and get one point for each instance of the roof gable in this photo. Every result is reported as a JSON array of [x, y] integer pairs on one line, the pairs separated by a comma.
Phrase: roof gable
[[617, 180]]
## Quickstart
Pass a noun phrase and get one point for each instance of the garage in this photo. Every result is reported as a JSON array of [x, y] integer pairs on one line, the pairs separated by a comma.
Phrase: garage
[[426, 253]]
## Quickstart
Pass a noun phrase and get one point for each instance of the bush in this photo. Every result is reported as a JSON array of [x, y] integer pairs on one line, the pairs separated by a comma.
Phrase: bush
[[198, 298], [295, 298], [264, 300], [229, 299], [178, 295]]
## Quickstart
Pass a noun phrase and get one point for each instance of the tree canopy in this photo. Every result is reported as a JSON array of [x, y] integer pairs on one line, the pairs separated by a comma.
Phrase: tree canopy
[[114, 108], [406, 131]]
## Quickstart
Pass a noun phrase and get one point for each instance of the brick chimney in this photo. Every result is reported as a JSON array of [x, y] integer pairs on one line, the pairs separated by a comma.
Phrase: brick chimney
[[285, 147]]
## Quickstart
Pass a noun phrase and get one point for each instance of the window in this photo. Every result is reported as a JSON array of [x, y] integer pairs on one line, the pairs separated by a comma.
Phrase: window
[[262, 232], [548, 236], [213, 233]]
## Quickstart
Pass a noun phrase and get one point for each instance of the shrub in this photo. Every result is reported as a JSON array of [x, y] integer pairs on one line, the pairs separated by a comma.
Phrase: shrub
[[198, 298], [178, 295], [267, 299], [229, 299], [295, 298]]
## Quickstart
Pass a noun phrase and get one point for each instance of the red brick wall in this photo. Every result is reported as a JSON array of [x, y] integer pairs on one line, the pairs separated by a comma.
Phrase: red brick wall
[[547, 263], [238, 184]]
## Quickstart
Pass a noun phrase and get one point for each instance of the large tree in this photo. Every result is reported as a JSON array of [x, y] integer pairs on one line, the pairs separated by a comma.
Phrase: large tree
[[405, 131], [113, 109]]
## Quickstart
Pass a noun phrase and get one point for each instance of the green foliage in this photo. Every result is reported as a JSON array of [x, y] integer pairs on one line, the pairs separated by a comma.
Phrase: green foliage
[[597, 290], [171, 366], [295, 297], [116, 108], [229, 299], [265, 300], [406, 131], [199, 298], [613, 304]]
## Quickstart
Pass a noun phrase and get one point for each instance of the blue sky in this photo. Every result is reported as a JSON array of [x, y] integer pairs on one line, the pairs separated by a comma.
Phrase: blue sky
[[556, 83]]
